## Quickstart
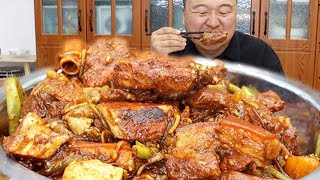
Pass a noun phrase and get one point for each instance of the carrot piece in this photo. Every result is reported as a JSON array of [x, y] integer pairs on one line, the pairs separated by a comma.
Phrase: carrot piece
[[300, 166]]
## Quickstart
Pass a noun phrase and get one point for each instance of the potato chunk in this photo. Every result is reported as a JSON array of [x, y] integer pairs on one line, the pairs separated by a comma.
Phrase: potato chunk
[[92, 169]]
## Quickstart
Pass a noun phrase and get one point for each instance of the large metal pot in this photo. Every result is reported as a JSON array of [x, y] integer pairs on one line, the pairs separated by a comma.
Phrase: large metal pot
[[303, 103]]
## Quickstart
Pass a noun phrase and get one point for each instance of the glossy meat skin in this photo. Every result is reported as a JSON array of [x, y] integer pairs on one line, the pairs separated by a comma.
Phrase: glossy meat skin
[[110, 63], [101, 59], [193, 155], [236, 142], [138, 121], [62, 88], [119, 153], [44, 105], [98, 53], [232, 160], [271, 100], [202, 165], [251, 143], [116, 95], [34, 139], [248, 139], [98, 76], [209, 98], [168, 77], [259, 112], [50, 96], [195, 137]]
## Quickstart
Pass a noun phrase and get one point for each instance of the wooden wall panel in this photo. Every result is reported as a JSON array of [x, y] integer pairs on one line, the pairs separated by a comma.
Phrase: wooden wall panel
[[316, 76], [47, 55], [316, 82], [298, 65]]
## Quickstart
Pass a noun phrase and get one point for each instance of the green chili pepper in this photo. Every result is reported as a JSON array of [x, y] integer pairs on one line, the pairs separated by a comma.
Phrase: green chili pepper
[[15, 95], [141, 151], [233, 88], [317, 151], [216, 86], [278, 174]]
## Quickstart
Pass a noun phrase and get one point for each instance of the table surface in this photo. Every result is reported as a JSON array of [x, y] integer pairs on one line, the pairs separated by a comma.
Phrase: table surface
[[10, 58]]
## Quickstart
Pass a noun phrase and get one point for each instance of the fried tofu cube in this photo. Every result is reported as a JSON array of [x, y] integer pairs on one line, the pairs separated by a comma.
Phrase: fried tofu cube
[[92, 169]]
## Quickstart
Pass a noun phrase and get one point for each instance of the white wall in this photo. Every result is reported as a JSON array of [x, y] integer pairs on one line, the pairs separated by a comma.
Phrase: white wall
[[17, 26]]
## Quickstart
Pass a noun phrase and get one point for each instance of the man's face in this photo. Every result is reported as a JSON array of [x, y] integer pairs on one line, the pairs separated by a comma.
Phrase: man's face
[[211, 15]]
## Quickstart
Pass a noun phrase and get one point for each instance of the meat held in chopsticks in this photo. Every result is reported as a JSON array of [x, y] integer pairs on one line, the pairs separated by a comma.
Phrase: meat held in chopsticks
[[214, 37]]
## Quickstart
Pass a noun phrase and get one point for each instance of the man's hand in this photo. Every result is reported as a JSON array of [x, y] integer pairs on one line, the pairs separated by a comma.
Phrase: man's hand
[[167, 40]]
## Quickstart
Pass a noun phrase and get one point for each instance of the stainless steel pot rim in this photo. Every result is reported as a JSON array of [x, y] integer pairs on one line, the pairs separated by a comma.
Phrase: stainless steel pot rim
[[296, 87]]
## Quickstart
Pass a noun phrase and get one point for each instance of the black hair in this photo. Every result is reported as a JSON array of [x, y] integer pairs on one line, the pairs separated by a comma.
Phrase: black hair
[[184, 2]]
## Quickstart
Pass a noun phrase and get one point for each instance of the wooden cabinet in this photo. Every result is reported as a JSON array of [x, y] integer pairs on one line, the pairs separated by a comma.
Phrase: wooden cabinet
[[317, 68], [114, 18], [78, 23], [47, 54], [59, 20], [289, 27], [317, 60]]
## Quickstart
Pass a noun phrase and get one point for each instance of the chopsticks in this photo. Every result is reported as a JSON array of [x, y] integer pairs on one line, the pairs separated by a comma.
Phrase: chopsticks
[[183, 33], [186, 35], [190, 37]]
